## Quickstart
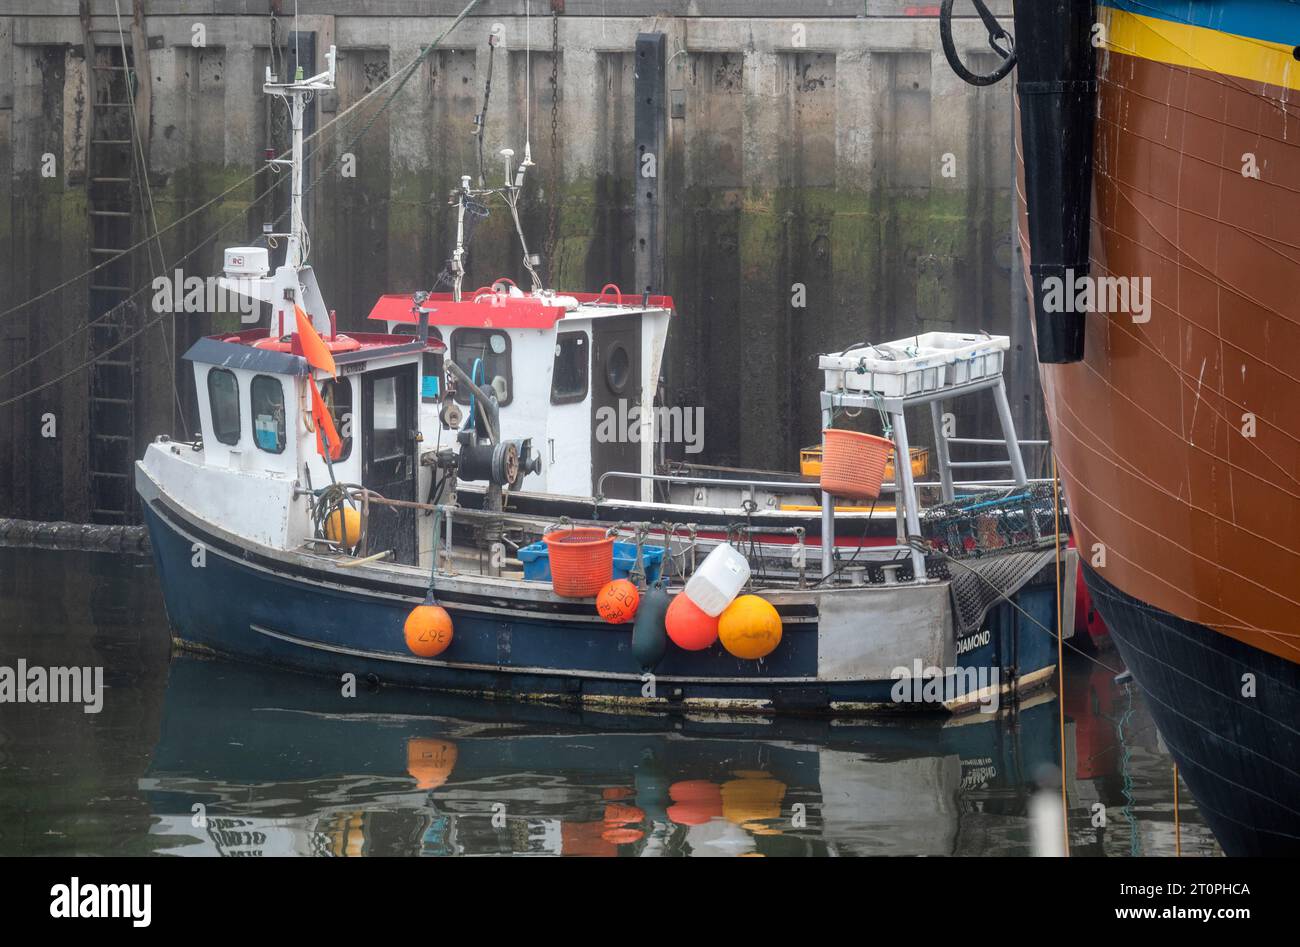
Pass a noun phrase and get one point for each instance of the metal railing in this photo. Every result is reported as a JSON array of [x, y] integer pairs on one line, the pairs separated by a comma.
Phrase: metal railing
[[811, 486]]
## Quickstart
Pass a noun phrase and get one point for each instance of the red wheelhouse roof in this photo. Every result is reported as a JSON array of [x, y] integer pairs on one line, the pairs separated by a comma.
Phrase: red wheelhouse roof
[[495, 311]]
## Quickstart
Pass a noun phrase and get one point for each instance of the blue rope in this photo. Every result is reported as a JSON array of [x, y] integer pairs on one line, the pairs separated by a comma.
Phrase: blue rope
[[471, 422], [1135, 842]]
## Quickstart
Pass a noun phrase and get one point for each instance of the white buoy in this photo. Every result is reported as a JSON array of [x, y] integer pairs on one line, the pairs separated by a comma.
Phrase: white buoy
[[718, 579]]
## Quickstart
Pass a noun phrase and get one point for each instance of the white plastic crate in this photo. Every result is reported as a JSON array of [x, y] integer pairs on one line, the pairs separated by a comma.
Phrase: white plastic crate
[[974, 356], [974, 367], [915, 365]]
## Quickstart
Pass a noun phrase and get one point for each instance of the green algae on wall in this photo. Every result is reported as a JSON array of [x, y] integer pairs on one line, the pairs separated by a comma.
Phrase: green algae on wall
[[767, 280]]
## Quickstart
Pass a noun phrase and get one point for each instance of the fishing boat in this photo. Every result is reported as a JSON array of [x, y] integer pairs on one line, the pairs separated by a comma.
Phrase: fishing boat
[[317, 525], [1157, 154]]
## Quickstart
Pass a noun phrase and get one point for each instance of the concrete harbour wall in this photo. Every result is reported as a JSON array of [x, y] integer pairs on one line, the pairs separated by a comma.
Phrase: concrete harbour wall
[[827, 157]]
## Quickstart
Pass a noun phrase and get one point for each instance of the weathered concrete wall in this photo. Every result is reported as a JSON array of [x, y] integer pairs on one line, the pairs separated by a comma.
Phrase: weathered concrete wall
[[805, 150]]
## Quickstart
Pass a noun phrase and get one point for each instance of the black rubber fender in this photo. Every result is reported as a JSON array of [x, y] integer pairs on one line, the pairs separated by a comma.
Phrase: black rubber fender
[[649, 636]]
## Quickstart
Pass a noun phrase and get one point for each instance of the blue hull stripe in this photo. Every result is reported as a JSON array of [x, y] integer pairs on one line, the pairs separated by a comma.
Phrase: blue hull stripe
[[1275, 21]]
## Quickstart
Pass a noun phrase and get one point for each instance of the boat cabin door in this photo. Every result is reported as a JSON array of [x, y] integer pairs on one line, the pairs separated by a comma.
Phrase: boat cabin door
[[615, 391], [389, 458]]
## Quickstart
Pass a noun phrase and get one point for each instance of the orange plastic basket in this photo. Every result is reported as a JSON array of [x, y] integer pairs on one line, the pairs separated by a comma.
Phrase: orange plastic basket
[[853, 464], [582, 560]]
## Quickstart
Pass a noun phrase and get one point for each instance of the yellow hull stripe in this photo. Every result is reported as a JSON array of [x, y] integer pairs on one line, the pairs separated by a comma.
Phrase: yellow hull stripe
[[1196, 47]]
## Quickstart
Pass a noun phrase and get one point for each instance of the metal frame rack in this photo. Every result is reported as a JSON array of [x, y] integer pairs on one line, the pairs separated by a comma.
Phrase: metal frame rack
[[906, 502]]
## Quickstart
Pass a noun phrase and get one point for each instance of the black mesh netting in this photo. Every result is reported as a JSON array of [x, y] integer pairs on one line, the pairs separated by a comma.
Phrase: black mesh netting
[[979, 584]]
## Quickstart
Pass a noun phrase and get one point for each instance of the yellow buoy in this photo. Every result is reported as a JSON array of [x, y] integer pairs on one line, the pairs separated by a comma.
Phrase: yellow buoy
[[343, 526], [750, 627], [428, 630], [752, 799]]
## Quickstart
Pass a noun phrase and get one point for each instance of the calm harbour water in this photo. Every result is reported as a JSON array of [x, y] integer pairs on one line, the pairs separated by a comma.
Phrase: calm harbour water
[[203, 757]]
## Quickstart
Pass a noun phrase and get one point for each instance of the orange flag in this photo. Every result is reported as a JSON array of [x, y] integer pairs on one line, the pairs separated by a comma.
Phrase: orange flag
[[324, 424], [313, 346]]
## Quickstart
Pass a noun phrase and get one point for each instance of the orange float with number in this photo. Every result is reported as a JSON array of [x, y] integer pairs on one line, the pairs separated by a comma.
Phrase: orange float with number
[[428, 630]]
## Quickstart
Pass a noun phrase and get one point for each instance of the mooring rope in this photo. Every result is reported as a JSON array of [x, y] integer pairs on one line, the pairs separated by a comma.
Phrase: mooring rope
[[1060, 649]]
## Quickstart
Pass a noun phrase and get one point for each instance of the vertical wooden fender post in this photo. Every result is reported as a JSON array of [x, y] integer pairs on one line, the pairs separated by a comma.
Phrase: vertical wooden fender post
[[650, 122], [144, 88], [88, 50]]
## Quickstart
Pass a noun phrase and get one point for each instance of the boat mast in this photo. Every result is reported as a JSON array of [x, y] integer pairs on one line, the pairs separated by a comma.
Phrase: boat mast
[[511, 188], [458, 255], [297, 94]]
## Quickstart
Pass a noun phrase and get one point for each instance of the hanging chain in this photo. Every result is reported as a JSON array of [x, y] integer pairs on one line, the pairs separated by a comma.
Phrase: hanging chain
[[552, 220]]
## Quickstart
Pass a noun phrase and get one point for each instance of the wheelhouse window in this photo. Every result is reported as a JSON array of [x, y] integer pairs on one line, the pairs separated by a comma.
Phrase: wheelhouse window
[[337, 395], [385, 437], [268, 414], [569, 377], [489, 349], [412, 329], [431, 377], [223, 400]]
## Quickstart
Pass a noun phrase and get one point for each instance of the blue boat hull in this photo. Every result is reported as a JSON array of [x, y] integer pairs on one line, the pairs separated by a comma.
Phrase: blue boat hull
[[1225, 710], [250, 607]]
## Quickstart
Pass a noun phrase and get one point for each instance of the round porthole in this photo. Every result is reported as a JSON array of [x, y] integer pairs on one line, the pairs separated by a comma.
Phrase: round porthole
[[618, 367]]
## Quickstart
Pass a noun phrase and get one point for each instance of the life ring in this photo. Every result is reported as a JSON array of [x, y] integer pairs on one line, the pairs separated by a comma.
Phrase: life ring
[[340, 343]]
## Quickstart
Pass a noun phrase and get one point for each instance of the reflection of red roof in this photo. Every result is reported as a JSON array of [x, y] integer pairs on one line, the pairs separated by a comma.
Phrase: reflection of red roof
[[493, 310]]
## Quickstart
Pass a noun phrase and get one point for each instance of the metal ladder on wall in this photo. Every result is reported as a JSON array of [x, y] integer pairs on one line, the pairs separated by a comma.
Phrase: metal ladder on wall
[[111, 208]]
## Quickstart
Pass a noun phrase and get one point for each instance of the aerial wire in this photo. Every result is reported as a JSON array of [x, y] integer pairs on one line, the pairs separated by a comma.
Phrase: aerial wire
[[405, 73], [1060, 651], [528, 83]]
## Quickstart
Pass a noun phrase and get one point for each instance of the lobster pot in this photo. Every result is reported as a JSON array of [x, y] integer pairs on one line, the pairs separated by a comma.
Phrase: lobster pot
[[853, 464], [582, 561]]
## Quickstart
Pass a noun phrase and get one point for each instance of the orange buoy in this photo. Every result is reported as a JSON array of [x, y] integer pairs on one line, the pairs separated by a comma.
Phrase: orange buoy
[[617, 813], [750, 627], [622, 836], [695, 801], [618, 601], [428, 630], [343, 526], [430, 761], [690, 627]]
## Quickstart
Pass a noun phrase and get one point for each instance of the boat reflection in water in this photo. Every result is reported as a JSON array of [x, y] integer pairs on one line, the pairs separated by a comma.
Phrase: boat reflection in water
[[283, 764], [259, 762]]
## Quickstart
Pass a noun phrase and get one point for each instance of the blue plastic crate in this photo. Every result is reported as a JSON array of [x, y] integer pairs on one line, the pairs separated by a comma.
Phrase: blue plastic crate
[[537, 561]]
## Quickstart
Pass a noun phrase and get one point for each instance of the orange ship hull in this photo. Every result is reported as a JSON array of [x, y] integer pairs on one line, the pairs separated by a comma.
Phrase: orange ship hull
[[1177, 436]]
